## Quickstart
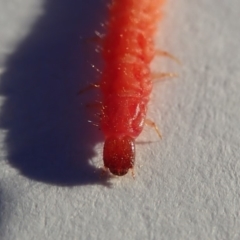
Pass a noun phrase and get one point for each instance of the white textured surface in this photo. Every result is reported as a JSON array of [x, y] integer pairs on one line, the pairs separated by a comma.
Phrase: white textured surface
[[187, 184]]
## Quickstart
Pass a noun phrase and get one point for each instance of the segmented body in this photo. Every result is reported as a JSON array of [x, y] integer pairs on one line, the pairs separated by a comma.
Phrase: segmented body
[[126, 83]]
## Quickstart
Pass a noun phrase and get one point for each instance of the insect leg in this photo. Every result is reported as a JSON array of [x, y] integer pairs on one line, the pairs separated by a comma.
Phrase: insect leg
[[98, 38], [157, 76], [167, 54], [89, 87], [98, 106], [94, 124], [153, 124]]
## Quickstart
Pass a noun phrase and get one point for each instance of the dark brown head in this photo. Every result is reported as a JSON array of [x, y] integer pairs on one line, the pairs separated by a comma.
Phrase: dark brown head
[[119, 154]]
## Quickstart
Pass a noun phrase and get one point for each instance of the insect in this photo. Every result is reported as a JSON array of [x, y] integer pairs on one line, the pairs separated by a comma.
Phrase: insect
[[126, 82]]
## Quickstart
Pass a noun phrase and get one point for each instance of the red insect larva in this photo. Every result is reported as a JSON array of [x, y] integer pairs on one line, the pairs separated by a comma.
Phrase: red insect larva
[[126, 83]]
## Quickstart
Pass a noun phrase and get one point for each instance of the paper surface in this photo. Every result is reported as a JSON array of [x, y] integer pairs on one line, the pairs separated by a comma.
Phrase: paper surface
[[186, 185]]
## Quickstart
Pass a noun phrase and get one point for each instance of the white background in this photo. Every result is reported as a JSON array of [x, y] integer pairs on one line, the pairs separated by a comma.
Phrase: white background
[[186, 185]]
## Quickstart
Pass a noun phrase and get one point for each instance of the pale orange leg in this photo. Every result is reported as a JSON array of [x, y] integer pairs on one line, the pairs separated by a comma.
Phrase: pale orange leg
[[153, 124], [167, 54], [158, 76]]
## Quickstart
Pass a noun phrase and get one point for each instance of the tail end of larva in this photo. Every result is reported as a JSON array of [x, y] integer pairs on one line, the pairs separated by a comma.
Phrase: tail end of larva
[[119, 154]]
